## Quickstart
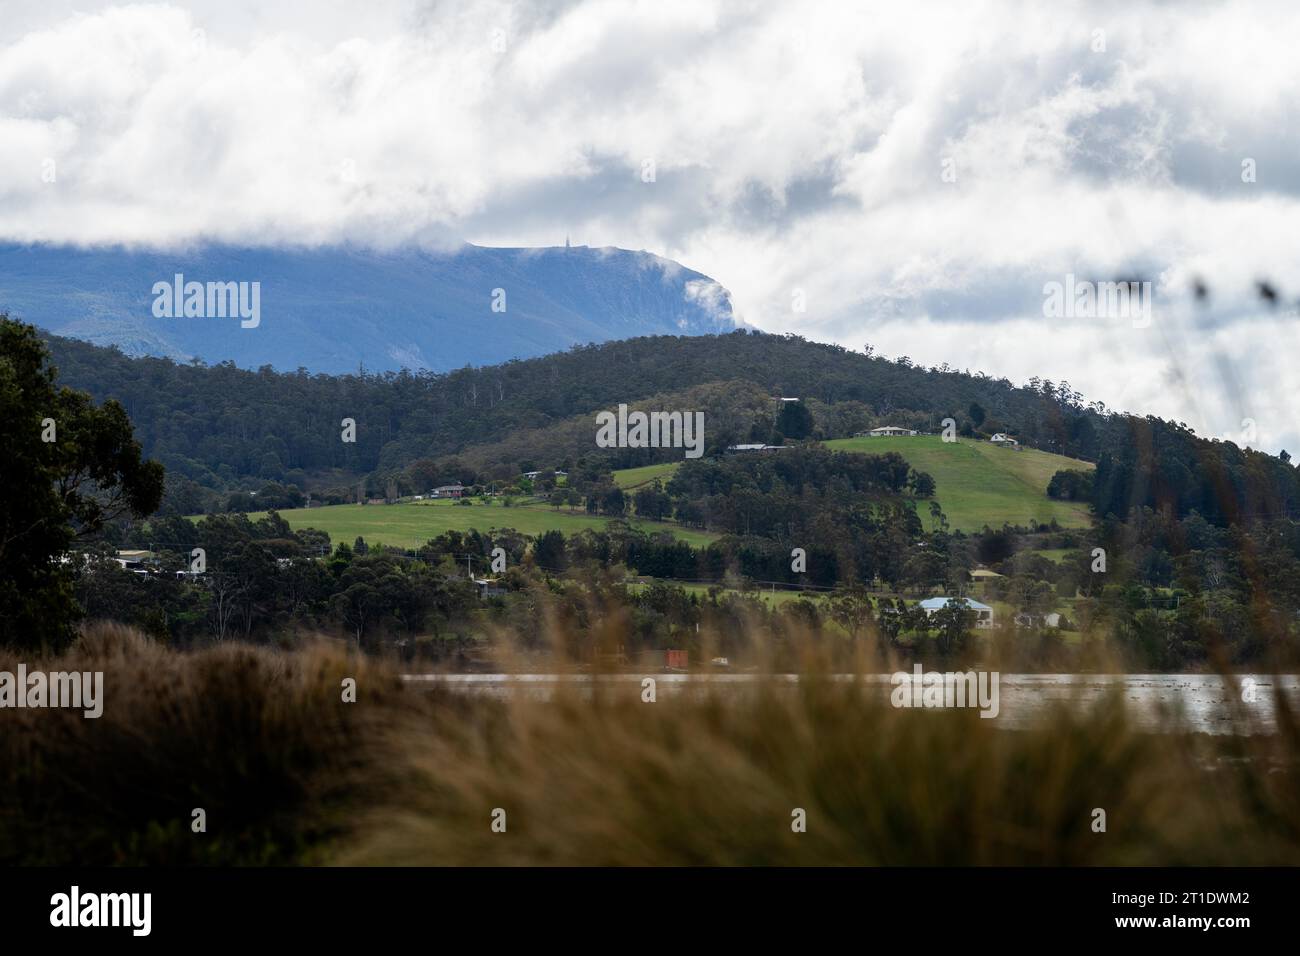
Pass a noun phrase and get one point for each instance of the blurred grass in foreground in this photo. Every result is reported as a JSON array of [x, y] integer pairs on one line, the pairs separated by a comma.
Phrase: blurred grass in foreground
[[288, 773]]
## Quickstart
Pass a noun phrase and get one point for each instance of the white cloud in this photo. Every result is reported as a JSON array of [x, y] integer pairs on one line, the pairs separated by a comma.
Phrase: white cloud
[[794, 146]]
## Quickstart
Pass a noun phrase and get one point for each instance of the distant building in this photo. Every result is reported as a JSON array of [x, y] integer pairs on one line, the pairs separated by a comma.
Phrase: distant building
[[447, 491], [1004, 440], [678, 659], [983, 613], [135, 561], [754, 447], [984, 574], [488, 588], [887, 431], [1026, 619]]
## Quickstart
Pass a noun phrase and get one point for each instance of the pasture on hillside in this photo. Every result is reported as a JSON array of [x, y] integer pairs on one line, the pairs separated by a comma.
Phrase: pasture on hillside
[[411, 524], [632, 478], [980, 484]]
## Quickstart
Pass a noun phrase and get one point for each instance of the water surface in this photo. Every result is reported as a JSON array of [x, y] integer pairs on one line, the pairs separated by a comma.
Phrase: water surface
[[1206, 701]]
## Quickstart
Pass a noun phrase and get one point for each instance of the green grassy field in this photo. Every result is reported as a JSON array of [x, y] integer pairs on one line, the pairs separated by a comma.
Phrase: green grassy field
[[629, 478], [981, 484], [409, 525]]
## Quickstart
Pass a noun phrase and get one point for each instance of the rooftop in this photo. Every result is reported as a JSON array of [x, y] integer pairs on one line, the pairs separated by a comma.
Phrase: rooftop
[[937, 603]]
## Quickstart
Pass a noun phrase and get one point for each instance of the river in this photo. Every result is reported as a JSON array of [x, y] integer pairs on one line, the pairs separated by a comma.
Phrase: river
[[1206, 700]]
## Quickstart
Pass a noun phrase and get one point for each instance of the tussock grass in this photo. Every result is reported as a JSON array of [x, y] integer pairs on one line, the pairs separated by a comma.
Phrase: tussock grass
[[707, 780], [259, 740], [593, 775]]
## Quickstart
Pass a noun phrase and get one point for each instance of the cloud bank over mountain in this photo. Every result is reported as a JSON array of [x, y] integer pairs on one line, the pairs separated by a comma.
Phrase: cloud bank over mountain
[[909, 176]]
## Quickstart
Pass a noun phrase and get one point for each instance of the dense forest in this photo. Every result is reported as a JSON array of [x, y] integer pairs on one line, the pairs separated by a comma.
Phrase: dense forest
[[236, 423]]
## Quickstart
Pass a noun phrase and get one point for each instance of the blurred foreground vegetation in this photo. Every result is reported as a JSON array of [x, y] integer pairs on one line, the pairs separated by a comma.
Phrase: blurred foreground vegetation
[[288, 773]]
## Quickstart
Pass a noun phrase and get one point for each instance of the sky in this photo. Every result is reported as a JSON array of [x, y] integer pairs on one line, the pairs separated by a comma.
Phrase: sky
[[908, 176]]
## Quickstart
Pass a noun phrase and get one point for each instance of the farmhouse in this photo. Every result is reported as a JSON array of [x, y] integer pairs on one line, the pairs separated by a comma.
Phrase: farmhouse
[[447, 491], [983, 613], [753, 447], [1004, 440], [887, 431]]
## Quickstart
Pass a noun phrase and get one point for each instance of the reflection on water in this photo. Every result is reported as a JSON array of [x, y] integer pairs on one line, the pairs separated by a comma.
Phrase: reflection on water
[[1206, 701]]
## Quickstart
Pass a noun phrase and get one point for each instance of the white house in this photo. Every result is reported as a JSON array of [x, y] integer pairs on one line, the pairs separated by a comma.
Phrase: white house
[[886, 431], [1003, 439], [983, 613]]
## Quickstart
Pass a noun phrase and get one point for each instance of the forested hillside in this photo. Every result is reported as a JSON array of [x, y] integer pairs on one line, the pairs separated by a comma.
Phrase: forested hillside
[[226, 429]]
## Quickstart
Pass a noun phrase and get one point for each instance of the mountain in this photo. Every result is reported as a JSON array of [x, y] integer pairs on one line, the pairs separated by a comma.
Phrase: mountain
[[336, 309]]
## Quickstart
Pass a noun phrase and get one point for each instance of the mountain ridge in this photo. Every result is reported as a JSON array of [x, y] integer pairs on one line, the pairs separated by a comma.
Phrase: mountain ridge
[[336, 309]]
